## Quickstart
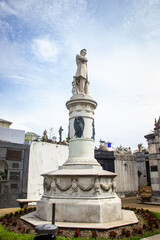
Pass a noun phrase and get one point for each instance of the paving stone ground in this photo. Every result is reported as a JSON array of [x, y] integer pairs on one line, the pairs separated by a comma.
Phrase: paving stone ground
[[4, 211], [156, 237], [135, 202]]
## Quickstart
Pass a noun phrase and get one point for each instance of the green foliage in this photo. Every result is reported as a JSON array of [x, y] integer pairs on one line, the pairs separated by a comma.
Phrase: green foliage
[[146, 184], [157, 215], [28, 138], [4, 235], [3, 175]]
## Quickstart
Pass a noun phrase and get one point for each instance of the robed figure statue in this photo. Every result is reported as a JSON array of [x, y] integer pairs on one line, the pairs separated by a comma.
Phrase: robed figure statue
[[80, 83]]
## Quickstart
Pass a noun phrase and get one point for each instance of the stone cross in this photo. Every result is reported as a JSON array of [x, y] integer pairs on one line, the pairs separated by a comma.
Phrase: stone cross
[[60, 134]]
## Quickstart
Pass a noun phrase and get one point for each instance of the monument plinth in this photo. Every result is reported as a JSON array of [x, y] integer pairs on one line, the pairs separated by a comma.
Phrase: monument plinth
[[81, 190]]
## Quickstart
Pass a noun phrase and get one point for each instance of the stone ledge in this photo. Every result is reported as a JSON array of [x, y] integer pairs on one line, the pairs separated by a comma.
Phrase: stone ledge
[[80, 172], [128, 218]]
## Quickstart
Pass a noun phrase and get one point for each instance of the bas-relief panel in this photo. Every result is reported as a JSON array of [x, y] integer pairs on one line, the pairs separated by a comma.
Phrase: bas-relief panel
[[76, 186]]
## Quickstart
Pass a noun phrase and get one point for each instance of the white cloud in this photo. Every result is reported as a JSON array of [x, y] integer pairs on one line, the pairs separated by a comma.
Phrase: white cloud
[[45, 49], [126, 85], [123, 73], [5, 9]]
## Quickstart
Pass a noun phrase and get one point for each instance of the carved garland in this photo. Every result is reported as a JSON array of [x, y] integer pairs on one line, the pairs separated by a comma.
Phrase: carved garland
[[95, 183], [113, 185], [96, 186], [47, 184], [62, 188], [105, 188], [88, 188]]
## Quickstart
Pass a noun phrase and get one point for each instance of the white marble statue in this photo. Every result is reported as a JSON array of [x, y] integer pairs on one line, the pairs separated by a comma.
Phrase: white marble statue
[[80, 83]]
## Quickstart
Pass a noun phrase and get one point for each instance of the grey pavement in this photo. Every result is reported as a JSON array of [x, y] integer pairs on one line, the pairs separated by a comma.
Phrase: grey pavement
[[4, 211], [156, 237], [136, 202]]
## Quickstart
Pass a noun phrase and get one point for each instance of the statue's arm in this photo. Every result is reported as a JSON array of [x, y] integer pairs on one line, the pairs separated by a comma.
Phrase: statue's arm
[[81, 58]]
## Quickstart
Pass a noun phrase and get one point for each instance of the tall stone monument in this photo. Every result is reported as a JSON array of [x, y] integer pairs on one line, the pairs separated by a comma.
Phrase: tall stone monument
[[81, 190]]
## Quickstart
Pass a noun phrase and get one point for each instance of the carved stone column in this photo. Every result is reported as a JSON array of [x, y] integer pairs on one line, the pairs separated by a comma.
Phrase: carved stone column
[[81, 132]]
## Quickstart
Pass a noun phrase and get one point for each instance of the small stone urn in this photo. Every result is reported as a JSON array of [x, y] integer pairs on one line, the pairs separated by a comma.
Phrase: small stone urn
[[145, 193]]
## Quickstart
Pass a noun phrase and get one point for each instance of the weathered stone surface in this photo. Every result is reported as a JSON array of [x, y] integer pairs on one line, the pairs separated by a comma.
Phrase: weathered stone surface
[[15, 175], [16, 162], [80, 195], [98, 210], [128, 217]]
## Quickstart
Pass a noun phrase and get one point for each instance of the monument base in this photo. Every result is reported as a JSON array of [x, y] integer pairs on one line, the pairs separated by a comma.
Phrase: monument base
[[128, 218], [80, 210], [80, 195]]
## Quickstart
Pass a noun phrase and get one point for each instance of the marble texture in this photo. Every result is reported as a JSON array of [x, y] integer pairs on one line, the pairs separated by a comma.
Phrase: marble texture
[[80, 195], [80, 83], [128, 218], [81, 150], [80, 210]]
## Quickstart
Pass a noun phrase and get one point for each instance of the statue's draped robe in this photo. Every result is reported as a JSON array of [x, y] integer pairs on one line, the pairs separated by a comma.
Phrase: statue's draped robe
[[81, 67]]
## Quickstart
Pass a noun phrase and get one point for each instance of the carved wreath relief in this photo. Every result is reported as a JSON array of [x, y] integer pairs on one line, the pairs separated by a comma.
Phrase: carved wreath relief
[[97, 185], [78, 127]]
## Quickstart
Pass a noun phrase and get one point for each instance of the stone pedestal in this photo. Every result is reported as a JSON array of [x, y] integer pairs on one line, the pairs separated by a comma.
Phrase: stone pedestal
[[81, 190], [81, 195]]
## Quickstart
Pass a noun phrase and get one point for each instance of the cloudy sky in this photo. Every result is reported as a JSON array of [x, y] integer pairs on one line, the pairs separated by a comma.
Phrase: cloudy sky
[[39, 40]]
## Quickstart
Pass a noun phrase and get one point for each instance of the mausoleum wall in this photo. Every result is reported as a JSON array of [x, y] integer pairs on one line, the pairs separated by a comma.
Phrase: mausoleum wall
[[13, 173], [127, 177], [12, 135], [44, 157]]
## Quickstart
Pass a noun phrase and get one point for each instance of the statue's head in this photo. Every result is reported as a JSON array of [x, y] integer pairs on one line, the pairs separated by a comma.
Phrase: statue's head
[[83, 52]]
